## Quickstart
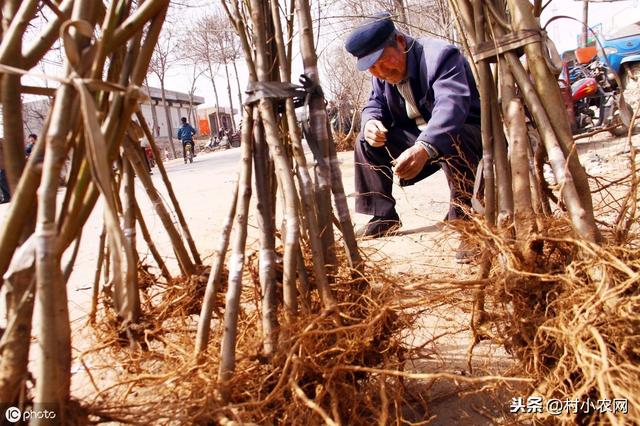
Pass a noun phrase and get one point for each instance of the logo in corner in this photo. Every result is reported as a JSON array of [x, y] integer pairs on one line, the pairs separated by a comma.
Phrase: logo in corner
[[13, 414]]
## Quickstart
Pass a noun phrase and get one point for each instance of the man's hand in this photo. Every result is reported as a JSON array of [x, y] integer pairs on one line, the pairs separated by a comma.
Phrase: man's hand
[[411, 161], [375, 133]]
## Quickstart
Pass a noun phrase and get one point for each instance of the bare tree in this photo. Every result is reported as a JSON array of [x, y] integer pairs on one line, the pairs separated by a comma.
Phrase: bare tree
[[235, 71], [416, 18], [196, 73], [347, 87], [154, 114], [226, 50], [34, 114], [201, 45], [215, 45], [432, 17], [163, 58]]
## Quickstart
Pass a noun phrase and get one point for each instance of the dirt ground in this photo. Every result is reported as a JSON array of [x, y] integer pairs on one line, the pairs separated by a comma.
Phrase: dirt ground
[[424, 247], [427, 247]]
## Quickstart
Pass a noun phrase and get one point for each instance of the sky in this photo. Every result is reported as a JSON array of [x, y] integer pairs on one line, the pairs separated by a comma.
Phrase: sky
[[176, 76], [608, 16]]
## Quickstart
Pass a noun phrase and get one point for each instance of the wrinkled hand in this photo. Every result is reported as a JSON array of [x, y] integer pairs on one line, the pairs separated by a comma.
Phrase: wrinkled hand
[[375, 133], [411, 161]]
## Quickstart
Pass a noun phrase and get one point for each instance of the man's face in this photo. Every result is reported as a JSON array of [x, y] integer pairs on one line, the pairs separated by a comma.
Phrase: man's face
[[30, 139], [392, 64]]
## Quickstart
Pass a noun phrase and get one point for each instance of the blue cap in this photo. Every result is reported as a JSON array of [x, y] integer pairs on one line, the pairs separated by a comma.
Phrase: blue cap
[[369, 40]]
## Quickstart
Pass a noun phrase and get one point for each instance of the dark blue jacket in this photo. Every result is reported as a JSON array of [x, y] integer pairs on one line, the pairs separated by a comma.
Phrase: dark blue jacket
[[444, 90], [186, 132]]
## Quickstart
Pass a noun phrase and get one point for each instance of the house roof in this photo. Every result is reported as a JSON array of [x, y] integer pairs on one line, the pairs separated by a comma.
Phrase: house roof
[[210, 109], [173, 96]]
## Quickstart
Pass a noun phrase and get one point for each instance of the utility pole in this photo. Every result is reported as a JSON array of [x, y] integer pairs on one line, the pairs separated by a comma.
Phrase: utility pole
[[585, 17], [585, 22]]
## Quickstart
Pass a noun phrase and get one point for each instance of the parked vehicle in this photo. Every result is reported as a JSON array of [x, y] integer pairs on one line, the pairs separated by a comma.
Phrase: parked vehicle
[[622, 50], [224, 142], [592, 98], [234, 139], [216, 144]]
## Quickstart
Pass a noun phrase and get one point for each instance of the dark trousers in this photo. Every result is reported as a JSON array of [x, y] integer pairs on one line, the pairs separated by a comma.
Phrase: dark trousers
[[184, 149], [5, 195], [374, 177]]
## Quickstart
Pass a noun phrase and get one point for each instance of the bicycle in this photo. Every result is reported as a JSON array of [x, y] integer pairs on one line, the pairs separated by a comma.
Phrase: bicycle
[[188, 152]]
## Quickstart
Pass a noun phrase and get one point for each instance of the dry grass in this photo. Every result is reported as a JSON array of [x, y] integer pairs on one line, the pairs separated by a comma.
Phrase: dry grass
[[350, 365], [344, 141], [570, 318]]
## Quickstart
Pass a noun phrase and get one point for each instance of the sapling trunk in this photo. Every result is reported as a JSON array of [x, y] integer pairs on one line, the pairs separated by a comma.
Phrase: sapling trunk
[[318, 125], [340, 199], [305, 288], [68, 269], [539, 196], [305, 184], [504, 191], [186, 266], [236, 261], [16, 339], [129, 213], [263, 178], [19, 221], [484, 84], [516, 125], [215, 275], [278, 152], [13, 145], [54, 332], [95, 290]]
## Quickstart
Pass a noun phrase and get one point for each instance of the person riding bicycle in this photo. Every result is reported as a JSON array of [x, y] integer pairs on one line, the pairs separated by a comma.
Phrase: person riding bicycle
[[185, 134]]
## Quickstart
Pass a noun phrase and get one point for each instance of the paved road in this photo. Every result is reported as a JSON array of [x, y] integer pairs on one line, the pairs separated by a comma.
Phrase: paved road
[[203, 189], [222, 162]]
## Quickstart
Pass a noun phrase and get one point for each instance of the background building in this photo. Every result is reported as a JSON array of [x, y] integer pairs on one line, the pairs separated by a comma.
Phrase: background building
[[179, 105], [211, 120]]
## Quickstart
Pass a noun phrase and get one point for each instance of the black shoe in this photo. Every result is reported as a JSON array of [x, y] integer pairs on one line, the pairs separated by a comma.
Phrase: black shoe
[[380, 226], [467, 252]]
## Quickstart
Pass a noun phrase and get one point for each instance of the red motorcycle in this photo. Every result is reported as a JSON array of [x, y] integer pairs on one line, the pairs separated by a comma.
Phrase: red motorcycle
[[591, 96]]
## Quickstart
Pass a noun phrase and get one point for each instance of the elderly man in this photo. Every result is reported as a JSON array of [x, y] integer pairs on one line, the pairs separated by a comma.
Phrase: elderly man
[[423, 115]]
